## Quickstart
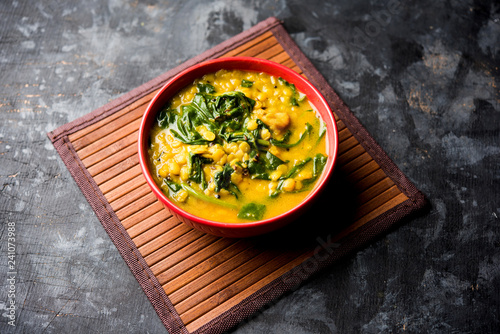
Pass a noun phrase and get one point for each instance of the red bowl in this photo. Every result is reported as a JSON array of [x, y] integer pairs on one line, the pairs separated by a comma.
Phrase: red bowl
[[186, 77]]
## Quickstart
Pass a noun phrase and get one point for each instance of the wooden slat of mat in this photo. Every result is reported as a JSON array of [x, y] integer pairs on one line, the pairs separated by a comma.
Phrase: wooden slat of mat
[[173, 284], [377, 210], [115, 182], [107, 163], [154, 238], [340, 125], [203, 275], [246, 275], [130, 197], [134, 207], [124, 188], [195, 259], [364, 171], [109, 150], [257, 43], [284, 267], [157, 251], [199, 245], [281, 58], [147, 224], [146, 211], [368, 180], [344, 134], [158, 247], [358, 162], [250, 289], [106, 141], [117, 170], [253, 282], [74, 137], [371, 204], [235, 268]]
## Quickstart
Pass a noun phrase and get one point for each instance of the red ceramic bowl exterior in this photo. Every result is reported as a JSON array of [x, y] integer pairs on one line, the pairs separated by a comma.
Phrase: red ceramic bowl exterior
[[181, 80]]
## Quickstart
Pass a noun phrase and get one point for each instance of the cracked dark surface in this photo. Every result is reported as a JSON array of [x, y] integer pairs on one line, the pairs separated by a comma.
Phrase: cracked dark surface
[[423, 77]]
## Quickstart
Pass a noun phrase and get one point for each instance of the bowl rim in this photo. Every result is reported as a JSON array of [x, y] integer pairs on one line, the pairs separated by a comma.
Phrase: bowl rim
[[246, 64]]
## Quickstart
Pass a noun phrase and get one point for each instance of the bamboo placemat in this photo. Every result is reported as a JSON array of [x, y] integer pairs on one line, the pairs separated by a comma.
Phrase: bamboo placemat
[[199, 283]]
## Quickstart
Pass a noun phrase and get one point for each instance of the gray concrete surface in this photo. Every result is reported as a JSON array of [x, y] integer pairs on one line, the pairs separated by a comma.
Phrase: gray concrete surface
[[422, 76]]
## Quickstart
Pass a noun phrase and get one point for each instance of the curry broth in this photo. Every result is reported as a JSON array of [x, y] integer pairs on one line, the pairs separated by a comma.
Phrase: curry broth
[[279, 113]]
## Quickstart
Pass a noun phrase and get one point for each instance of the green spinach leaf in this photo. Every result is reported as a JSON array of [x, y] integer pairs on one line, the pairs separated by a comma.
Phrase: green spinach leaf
[[174, 187], [166, 117], [195, 167], [319, 162], [291, 173], [257, 166], [281, 143], [205, 88], [252, 211], [296, 97], [206, 198], [222, 180], [246, 83]]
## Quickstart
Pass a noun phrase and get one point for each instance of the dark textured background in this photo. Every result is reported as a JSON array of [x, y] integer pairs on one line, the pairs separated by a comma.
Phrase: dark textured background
[[422, 76]]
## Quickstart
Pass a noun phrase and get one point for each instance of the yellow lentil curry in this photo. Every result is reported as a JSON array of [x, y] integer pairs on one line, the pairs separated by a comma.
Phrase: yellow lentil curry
[[237, 146]]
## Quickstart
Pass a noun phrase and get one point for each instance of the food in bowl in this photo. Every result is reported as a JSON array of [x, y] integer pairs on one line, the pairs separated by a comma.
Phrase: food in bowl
[[237, 146]]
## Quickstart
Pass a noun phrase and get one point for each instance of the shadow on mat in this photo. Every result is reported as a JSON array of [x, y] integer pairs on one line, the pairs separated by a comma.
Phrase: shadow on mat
[[332, 212]]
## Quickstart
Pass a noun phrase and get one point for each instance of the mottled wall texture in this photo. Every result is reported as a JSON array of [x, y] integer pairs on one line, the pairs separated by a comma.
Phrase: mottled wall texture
[[422, 76]]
